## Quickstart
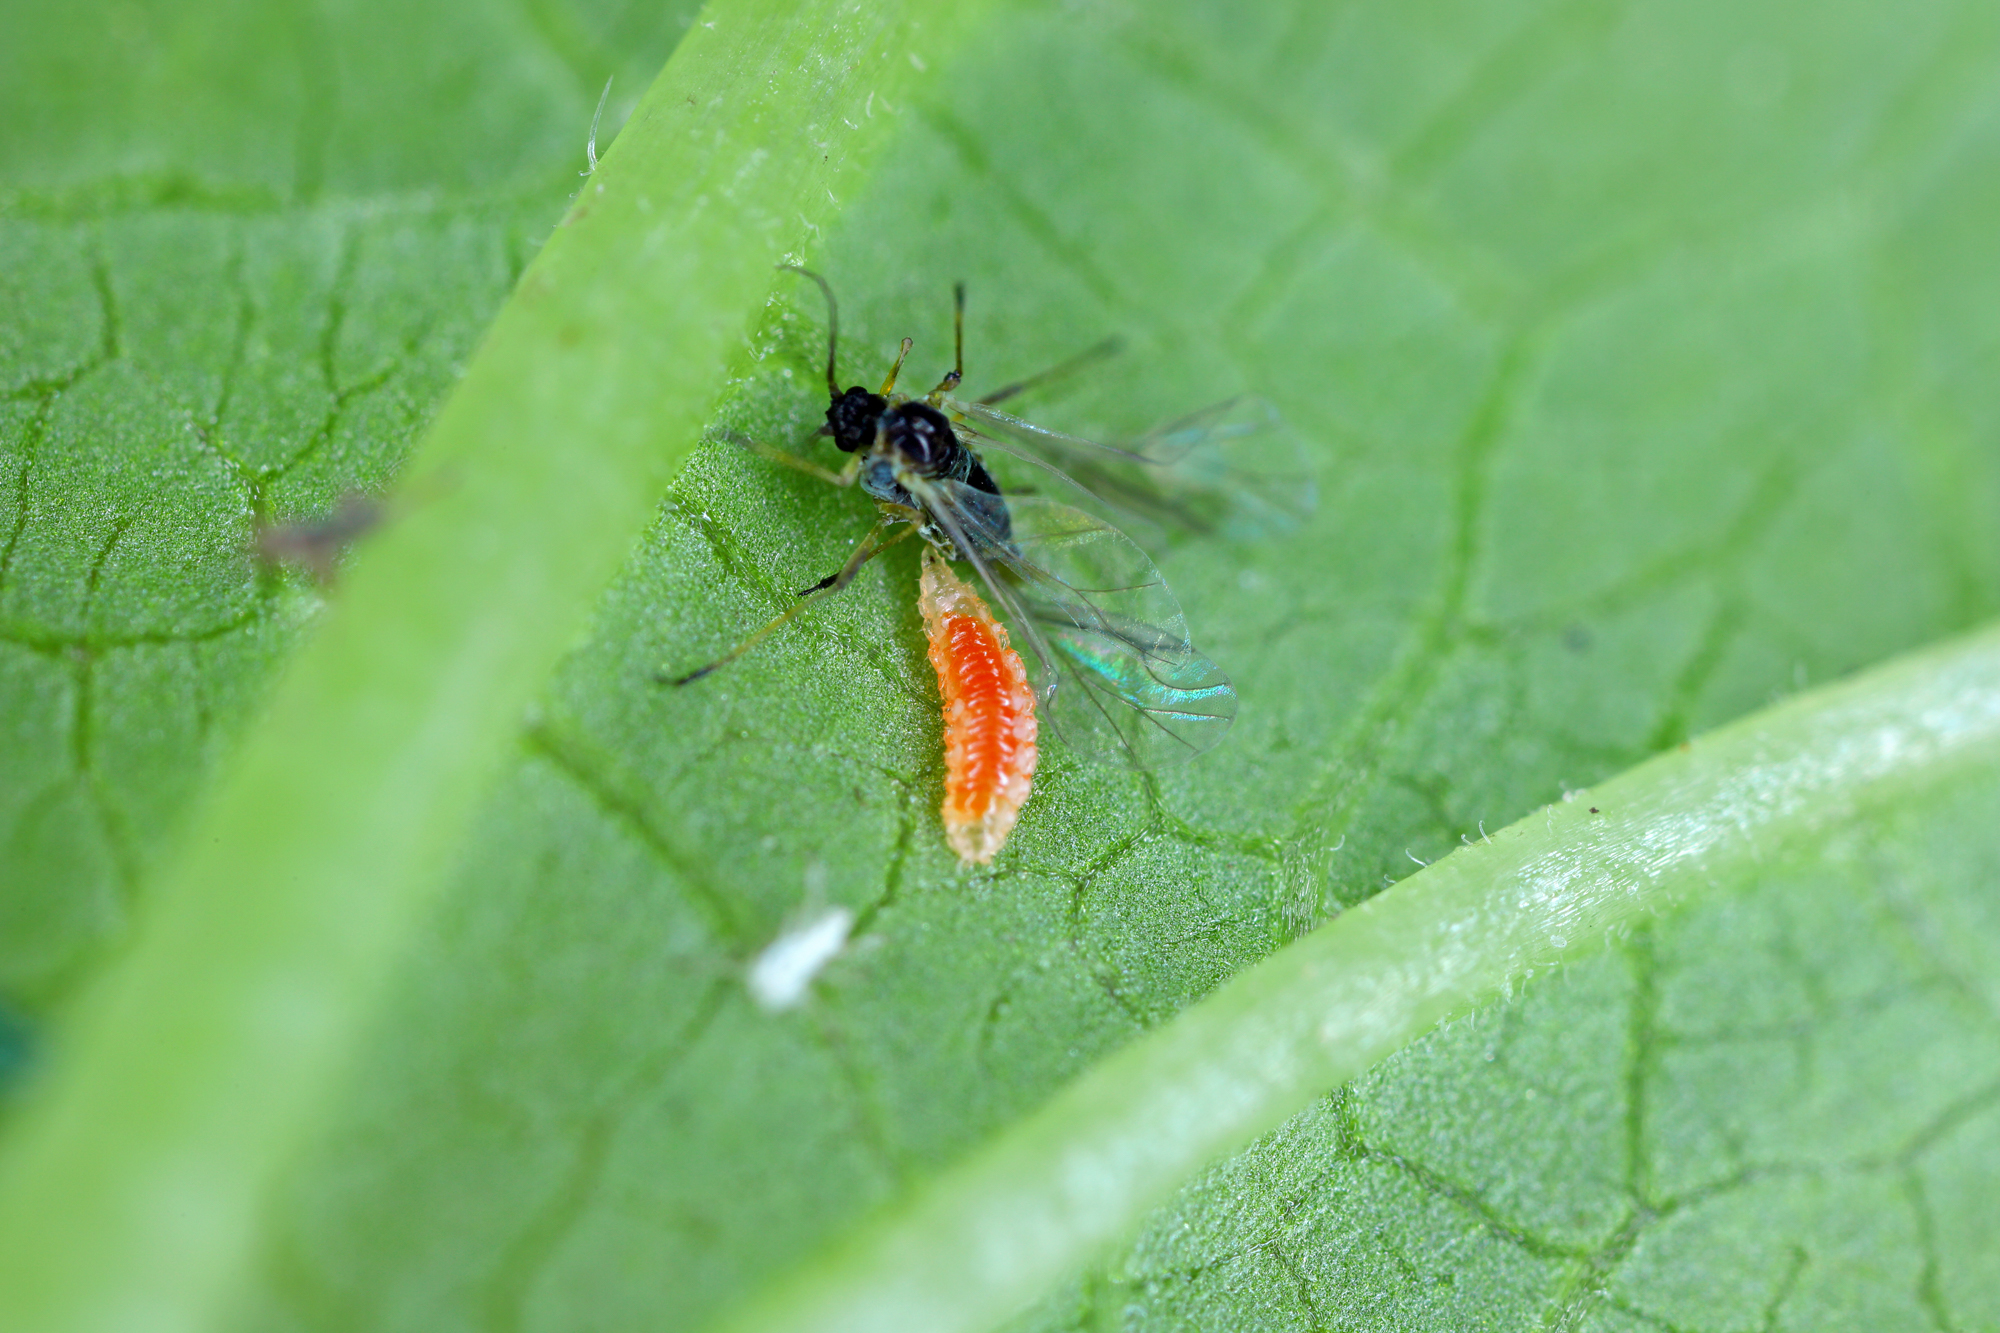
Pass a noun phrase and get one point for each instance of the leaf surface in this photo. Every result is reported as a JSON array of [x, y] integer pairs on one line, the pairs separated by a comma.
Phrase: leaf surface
[[1643, 353]]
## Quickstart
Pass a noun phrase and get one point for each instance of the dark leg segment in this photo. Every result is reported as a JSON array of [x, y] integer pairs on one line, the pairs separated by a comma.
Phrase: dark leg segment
[[844, 477], [870, 547], [951, 381], [863, 553], [1109, 347]]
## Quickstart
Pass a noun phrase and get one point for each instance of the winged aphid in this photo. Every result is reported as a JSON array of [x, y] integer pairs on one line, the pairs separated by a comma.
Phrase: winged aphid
[[1112, 666]]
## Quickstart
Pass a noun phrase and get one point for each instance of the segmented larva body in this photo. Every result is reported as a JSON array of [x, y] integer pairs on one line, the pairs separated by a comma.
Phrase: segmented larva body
[[989, 714]]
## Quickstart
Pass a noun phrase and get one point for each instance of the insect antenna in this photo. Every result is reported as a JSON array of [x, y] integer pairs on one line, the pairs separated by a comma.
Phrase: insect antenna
[[832, 325]]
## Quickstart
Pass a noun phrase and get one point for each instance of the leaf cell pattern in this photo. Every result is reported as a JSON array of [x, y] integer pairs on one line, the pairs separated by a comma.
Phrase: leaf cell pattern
[[1639, 398]]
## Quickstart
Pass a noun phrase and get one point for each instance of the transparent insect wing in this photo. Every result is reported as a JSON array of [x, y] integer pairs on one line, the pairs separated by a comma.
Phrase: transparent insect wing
[[1237, 465], [1232, 469], [1217, 424], [1132, 689]]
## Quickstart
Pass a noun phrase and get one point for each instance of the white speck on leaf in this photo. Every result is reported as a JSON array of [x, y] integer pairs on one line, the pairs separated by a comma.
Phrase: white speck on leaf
[[782, 973], [590, 145]]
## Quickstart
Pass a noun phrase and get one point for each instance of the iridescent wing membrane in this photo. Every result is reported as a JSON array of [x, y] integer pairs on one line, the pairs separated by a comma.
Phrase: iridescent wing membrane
[[1113, 666], [1231, 469]]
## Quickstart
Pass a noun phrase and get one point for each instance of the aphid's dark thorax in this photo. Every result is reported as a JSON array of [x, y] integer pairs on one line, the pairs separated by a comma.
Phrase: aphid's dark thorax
[[854, 419], [922, 439]]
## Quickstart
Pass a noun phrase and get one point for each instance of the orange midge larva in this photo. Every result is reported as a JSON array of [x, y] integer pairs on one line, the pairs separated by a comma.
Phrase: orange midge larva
[[989, 714]]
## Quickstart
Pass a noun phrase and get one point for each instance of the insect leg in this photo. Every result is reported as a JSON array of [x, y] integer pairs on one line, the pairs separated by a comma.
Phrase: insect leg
[[844, 477], [950, 382], [890, 383], [870, 547], [863, 553], [1109, 347]]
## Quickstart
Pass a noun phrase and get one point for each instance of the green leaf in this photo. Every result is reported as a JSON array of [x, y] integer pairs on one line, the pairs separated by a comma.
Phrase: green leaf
[[1644, 355], [1072, 1175], [188, 1074]]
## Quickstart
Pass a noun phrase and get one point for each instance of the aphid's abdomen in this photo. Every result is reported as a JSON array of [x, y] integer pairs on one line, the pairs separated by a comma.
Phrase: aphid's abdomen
[[989, 714]]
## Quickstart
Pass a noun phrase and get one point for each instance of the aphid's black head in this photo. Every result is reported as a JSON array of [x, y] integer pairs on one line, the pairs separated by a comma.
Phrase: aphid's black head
[[921, 437], [854, 417]]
